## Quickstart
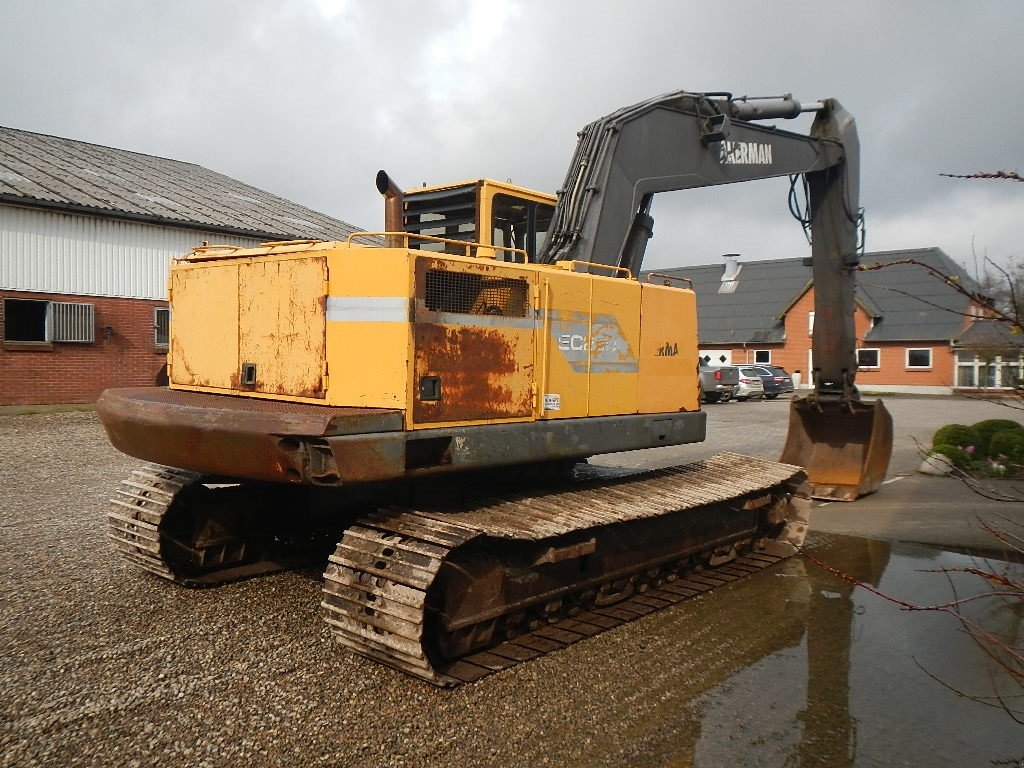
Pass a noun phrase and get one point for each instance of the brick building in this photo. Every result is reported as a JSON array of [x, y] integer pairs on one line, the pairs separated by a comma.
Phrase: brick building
[[87, 234], [915, 333]]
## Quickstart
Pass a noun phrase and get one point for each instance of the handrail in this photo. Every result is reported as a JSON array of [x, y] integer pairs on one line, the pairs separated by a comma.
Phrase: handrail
[[277, 243], [666, 278], [214, 252], [467, 244], [571, 266], [199, 252]]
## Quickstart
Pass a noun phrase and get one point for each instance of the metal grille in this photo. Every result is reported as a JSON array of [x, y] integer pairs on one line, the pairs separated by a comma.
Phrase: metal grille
[[161, 326], [68, 321], [472, 294]]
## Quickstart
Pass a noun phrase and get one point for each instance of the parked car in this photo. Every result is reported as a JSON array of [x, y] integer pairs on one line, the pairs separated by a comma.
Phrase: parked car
[[750, 386], [717, 383], [776, 380]]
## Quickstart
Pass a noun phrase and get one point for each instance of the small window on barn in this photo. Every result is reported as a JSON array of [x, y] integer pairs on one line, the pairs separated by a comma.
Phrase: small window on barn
[[161, 327], [25, 320], [762, 356], [919, 358], [34, 321]]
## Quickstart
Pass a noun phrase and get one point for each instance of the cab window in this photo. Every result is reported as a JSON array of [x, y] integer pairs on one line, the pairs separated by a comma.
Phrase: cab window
[[519, 223]]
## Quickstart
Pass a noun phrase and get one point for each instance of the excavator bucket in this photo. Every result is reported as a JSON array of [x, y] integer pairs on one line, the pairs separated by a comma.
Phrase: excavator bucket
[[845, 449]]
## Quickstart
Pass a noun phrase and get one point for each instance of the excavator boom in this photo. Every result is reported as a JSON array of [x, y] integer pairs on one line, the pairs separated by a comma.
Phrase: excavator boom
[[687, 140]]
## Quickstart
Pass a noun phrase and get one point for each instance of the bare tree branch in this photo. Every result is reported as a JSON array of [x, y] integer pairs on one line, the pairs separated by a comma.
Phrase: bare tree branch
[[1011, 175]]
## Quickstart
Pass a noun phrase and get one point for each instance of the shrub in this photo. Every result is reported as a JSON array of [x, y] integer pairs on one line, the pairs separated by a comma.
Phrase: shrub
[[957, 455], [961, 436], [1009, 443], [991, 427]]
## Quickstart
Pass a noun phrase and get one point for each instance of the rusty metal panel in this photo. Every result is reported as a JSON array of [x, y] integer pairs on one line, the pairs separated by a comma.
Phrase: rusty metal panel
[[282, 324], [474, 328], [250, 438], [204, 334]]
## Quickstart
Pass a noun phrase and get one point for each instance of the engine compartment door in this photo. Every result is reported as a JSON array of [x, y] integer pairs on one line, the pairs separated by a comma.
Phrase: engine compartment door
[[252, 325]]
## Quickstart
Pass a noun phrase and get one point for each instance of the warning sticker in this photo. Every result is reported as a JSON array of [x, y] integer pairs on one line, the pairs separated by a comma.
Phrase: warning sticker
[[552, 402]]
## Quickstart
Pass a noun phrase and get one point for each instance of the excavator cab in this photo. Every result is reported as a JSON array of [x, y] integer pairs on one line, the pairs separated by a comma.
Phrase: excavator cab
[[484, 212]]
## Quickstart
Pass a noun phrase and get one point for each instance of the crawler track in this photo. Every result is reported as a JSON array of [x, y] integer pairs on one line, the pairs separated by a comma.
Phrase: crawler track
[[456, 595], [395, 586], [167, 522], [137, 511]]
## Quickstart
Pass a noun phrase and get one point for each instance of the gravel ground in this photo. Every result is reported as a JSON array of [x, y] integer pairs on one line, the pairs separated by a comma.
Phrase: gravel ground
[[103, 665]]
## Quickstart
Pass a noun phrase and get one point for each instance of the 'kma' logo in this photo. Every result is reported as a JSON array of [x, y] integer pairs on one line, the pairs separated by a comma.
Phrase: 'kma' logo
[[669, 350]]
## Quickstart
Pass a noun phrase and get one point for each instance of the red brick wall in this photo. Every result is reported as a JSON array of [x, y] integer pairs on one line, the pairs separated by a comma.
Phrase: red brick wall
[[65, 372], [792, 355]]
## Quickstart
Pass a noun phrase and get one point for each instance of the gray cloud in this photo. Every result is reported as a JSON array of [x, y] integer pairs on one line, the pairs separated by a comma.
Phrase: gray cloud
[[309, 99]]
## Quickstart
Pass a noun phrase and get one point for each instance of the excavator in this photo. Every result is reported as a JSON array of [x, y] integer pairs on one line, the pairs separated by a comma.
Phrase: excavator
[[417, 406]]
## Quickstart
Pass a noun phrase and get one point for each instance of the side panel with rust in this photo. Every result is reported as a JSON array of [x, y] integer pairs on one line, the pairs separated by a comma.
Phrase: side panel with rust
[[265, 313], [281, 324], [204, 328], [474, 335]]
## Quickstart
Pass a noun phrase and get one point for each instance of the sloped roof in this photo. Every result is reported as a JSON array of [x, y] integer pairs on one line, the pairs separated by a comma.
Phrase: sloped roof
[[751, 313], [993, 334], [908, 303], [53, 172], [914, 304]]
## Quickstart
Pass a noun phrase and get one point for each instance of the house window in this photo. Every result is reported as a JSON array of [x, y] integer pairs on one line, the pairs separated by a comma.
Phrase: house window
[[161, 327], [972, 370], [966, 369], [32, 320], [919, 358], [810, 323], [868, 358], [1009, 373], [762, 356]]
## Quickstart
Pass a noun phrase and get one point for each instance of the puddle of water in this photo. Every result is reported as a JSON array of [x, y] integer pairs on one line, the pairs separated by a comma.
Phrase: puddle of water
[[869, 683], [797, 667]]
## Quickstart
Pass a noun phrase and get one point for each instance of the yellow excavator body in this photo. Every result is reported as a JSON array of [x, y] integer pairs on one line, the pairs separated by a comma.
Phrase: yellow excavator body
[[428, 394], [448, 339]]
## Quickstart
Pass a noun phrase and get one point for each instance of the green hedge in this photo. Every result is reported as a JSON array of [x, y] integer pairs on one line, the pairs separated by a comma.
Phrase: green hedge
[[957, 455], [990, 428], [1009, 443], [961, 436]]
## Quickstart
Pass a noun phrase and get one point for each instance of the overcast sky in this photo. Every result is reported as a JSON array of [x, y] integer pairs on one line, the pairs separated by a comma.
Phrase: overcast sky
[[309, 98]]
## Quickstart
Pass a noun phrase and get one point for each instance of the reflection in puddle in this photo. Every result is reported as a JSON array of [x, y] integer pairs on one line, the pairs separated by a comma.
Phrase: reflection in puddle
[[797, 667], [861, 686]]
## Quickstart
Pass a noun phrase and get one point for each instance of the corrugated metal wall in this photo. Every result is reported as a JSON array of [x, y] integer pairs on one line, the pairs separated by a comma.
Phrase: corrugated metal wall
[[54, 252]]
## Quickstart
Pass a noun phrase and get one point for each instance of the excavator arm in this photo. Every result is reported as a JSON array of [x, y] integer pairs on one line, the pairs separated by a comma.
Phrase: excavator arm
[[687, 140]]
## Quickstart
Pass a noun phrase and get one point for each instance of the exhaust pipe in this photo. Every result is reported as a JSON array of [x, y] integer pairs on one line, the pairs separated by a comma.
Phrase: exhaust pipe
[[394, 209]]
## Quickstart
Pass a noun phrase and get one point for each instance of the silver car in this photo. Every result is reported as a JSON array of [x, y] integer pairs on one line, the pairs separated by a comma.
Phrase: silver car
[[750, 387]]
